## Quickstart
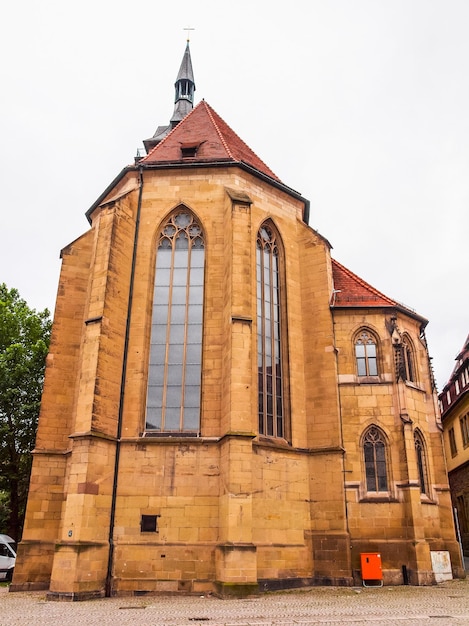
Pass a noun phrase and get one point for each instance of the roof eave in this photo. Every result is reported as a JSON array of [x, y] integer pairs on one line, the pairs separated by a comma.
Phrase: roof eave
[[205, 164], [230, 163], [391, 307], [454, 404], [109, 188]]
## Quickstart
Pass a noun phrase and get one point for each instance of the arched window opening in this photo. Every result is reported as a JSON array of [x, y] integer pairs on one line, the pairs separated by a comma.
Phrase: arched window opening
[[408, 358], [271, 397], [174, 376], [421, 462], [374, 450], [366, 354]]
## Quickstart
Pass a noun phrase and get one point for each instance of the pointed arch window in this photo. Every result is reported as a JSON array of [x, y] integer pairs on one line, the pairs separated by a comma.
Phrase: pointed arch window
[[174, 378], [270, 348], [408, 361], [366, 354], [421, 461], [374, 451]]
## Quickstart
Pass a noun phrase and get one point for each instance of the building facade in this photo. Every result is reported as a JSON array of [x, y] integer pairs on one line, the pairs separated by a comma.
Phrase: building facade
[[226, 407], [454, 405]]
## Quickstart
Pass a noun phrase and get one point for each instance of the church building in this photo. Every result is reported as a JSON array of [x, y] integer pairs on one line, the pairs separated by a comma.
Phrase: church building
[[226, 407]]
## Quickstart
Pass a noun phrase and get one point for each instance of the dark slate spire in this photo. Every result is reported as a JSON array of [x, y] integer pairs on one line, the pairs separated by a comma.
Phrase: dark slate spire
[[185, 87], [183, 100]]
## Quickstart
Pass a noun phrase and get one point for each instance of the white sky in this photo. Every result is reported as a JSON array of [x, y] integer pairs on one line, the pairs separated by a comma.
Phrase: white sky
[[362, 106]]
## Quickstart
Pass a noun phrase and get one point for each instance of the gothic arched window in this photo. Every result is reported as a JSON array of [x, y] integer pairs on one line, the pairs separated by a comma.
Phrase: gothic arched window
[[366, 354], [421, 461], [174, 375], [374, 450], [408, 359], [270, 365]]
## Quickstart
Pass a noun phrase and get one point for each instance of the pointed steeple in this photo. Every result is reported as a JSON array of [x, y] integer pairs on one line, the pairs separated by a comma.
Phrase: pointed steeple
[[185, 87], [183, 100]]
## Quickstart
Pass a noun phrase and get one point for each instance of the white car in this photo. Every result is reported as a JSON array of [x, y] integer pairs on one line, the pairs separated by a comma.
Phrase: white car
[[7, 557]]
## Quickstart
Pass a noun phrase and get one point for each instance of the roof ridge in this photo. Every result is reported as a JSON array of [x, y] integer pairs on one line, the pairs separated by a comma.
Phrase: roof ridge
[[210, 110], [217, 128]]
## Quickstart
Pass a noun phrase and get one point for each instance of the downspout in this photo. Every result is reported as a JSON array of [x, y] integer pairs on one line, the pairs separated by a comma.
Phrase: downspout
[[341, 426], [108, 586]]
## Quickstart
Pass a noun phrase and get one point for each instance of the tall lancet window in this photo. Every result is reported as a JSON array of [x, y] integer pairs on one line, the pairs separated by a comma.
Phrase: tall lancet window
[[174, 377], [421, 462], [270, 368], [374, 448]]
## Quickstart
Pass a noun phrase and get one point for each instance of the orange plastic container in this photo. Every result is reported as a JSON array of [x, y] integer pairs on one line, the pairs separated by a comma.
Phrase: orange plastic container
[[371, 568]]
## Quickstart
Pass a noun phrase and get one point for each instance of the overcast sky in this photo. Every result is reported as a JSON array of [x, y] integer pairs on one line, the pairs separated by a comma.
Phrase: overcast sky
[[362, 106]]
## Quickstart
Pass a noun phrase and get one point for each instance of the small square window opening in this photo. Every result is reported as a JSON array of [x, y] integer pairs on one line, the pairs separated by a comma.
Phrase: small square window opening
[[149, 523]]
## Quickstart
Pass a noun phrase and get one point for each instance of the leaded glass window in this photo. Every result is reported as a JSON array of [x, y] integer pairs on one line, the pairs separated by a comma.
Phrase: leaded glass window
[[421, 462], [269, 338], [374, 449], [174, 377], [365, 354], [408, 360]]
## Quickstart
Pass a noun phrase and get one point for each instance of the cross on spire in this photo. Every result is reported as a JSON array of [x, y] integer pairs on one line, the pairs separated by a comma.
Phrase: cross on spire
[[188, 28]]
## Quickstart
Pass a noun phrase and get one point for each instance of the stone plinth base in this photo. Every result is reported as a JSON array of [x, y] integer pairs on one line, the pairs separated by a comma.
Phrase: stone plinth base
[[78, 596], [236, 590]]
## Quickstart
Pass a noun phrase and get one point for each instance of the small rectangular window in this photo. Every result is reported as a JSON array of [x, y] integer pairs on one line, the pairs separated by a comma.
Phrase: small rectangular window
[[462, 512], [189, 150], [452, 442], [149, 524], [464, 423]]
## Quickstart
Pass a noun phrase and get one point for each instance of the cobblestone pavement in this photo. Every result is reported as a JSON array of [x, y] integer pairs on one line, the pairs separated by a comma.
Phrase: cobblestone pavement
[[446, 604]]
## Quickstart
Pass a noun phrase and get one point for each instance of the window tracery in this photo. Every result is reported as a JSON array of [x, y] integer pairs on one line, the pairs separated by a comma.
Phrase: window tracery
[[366, 354], [270, 364], [374, 451], [174, 377], [421, 461]]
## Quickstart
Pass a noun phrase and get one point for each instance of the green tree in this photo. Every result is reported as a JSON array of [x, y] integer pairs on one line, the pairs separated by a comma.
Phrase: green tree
[[24, 343]]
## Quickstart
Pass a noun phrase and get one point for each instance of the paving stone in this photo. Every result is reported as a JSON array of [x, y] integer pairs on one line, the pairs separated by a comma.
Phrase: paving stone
[[446, 604]]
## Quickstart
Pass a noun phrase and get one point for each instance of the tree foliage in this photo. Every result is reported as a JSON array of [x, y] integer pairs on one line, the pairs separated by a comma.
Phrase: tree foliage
[[24, 343]]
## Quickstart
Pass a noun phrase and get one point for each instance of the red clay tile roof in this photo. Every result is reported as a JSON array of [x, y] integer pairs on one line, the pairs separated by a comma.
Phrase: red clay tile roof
[[205, 130], [350, 290]]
